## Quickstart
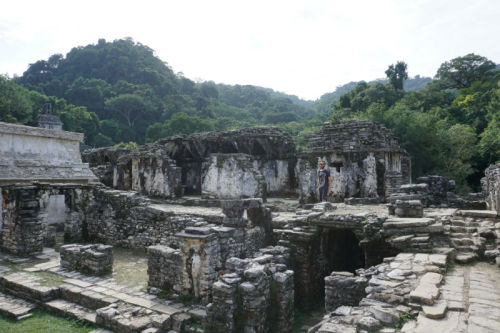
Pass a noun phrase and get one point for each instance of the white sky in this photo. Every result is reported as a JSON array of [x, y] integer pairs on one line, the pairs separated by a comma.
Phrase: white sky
[[306, 48]]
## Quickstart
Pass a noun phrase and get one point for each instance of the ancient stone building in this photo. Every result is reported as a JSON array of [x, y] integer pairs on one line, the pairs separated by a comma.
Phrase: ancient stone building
[[43, 185], [249, 162], [364, 159]]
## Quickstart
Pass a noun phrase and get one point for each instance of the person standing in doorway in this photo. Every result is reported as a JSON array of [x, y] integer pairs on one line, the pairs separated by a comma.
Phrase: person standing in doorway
[[324, 182]]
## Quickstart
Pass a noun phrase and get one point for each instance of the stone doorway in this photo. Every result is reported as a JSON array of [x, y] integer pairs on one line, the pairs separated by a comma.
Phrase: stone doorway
[[340, 251]]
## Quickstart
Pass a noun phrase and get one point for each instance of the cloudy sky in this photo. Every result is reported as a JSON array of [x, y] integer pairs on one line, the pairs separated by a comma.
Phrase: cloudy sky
[[306, 48]]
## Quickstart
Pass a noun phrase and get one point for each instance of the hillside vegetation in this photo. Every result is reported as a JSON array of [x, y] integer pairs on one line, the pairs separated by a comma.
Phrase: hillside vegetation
[[120, 92]]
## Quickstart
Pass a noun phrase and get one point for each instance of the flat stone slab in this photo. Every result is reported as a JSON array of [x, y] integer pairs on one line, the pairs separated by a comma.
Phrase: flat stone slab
[[402, 222], [479, 213], [436, 311], [453, 322]]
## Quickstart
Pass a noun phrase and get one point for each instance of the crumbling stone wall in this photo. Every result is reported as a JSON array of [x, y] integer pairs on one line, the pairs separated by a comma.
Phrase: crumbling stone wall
[[364, 159], [491, 187], [128, 219]]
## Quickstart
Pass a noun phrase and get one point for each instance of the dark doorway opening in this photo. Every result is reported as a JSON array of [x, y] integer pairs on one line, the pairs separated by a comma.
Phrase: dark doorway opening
[[341, 251]]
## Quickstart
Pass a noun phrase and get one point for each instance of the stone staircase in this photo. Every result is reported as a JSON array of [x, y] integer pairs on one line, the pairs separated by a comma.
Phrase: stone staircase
[[14, 307], [465, 237], [97, 301]]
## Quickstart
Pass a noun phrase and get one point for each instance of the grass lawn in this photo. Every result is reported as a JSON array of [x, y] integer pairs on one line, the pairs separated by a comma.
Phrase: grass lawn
[[43, 322]]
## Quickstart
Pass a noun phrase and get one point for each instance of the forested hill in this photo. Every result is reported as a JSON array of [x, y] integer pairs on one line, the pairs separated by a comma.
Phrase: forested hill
[[129, 89], [120, 92]]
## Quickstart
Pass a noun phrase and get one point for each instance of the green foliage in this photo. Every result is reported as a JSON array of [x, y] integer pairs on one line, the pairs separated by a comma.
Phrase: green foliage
[[129, 145], [403, 318], [131, 90], [397, 74], [461, 72], [180, 123]]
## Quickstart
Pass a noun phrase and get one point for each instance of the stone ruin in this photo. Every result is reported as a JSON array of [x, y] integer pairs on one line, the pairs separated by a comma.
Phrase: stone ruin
[[224, 253], [94, 259], [364, 158]]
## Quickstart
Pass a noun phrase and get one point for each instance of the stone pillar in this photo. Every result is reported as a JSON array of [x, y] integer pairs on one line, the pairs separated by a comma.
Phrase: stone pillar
[[190, 270], [22, 229], [222, 314], [343, 288]]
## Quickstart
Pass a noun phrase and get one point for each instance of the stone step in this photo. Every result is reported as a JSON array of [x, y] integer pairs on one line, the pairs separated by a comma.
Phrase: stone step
[[14, 307], [468, 230], [462, 241], [27, 286], [458, 223], [402, 223], [465, 257], [478, 213], [459, 235], [85, 297], [65, 308], [466, 248]]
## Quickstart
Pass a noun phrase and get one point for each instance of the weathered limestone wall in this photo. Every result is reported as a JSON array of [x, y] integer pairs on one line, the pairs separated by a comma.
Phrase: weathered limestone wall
[[491, 187], [148, 170], [37, 154], [364, 159], [232, 176]]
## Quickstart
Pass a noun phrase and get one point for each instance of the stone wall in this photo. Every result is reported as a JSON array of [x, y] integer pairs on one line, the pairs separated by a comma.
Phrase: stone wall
[[31, 153], [128, 219], [491, 187], [363, 157]]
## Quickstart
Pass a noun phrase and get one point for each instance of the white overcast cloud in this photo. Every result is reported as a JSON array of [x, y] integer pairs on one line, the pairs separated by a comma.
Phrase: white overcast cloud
[[306, 48]]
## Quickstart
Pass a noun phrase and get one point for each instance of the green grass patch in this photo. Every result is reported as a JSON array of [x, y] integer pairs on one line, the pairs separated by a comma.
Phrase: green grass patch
[[49, 279], [43, 322]]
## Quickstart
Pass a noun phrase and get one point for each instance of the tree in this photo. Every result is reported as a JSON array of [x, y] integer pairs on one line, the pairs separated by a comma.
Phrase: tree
[[180, 123], [461, 72], [397, 74], [127, 107]]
